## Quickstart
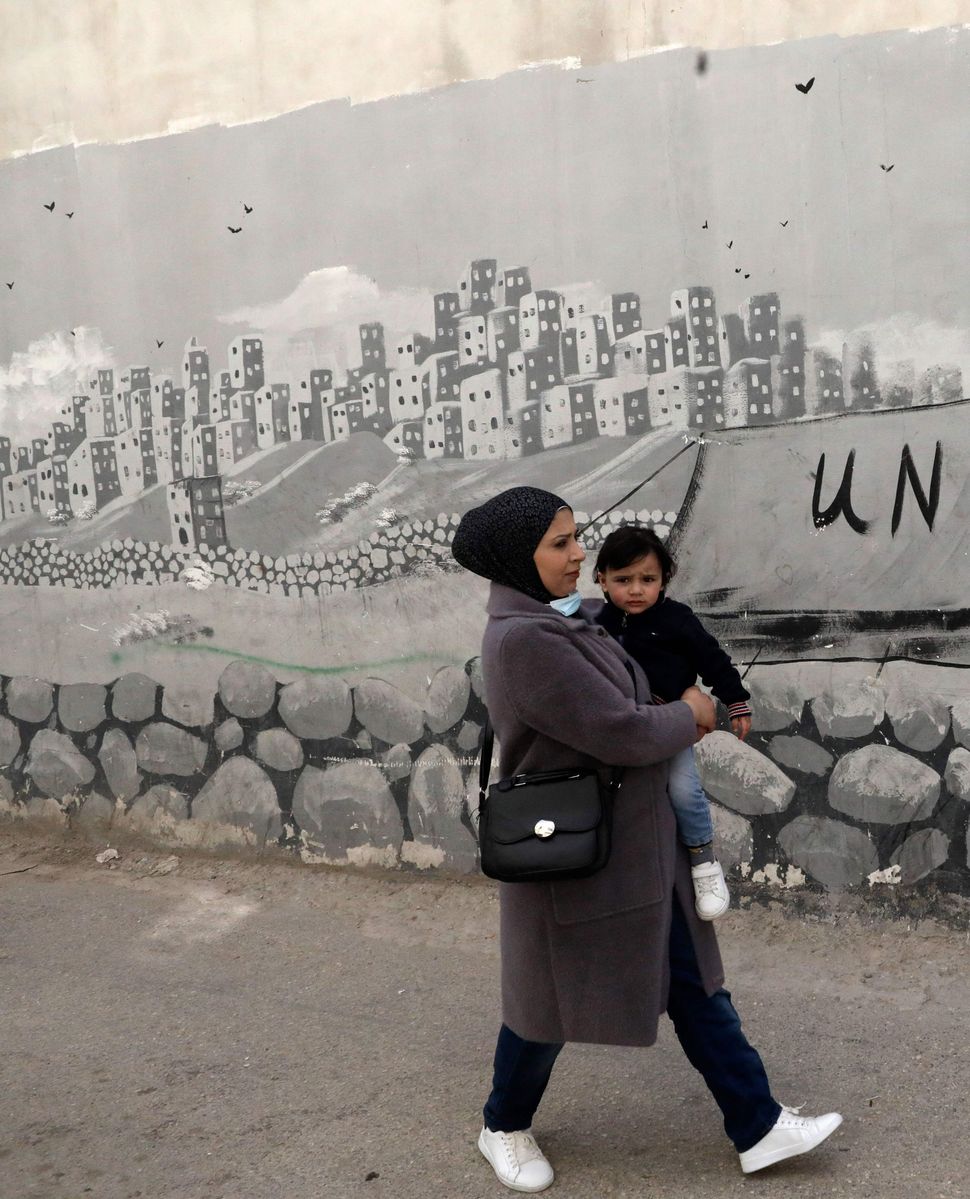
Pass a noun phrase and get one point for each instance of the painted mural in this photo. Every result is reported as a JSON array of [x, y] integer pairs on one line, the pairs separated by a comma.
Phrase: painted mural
[[251, 377]]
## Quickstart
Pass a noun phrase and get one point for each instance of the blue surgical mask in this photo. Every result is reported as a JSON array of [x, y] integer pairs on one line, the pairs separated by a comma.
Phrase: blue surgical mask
[[568, 605]]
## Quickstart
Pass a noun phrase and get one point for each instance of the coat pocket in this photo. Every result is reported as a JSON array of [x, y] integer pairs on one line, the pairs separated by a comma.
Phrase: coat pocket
[[632, 878]]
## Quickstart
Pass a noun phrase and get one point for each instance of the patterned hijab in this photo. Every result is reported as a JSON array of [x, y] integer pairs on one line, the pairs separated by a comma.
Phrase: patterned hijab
[[498, 538]]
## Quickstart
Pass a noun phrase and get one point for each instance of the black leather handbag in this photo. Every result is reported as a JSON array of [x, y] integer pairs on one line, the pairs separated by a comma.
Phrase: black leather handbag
[[546, 825]]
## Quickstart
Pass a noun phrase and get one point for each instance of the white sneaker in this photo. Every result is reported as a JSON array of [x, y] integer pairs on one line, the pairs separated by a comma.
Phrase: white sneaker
[[791, 1135], [516, 1159], [711, 895]]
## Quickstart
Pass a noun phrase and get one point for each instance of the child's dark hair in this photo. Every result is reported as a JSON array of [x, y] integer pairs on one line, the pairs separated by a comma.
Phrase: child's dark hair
[[631, 542]]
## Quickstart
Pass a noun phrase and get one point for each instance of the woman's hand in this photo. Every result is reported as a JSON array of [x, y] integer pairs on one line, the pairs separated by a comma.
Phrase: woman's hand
[[702, 707]]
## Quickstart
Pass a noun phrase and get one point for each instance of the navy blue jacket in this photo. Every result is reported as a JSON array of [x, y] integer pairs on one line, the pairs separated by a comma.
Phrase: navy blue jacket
[[674, 649]]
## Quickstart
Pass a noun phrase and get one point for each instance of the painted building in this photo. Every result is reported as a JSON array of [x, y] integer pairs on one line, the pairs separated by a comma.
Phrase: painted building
[[529, 373], [511, 285], [540, 320], [406, 438], [139, 378], [482, 415], [585, 349], [667, 398], [246, 363], [761, 318], [445, 311], [696, 305], [523, 433], [44, 476], [373, 356], [263, 418], [501, 333], [476, 286], [306, 420], [407, 394], [94, 417], [104, 463], [80, 478], [823, 383], [63, 439], [376, 400], [623, 314], [412, 349], [705, 397], [440, 378], [205, 453], [195, 378], [196, 513], [788, 373], [747, 393], [339, 419], [6, 467], [20, 493], [676, 342], [622, 410], [555, 417], [582, 403], [242, 407], [141, 408], [235, 440], [578, 300], [149, 471], [733, 339], [280, 405], [442, 430], [219, 399], [168, 401], [168, 449], [128, 461], [472, 339]]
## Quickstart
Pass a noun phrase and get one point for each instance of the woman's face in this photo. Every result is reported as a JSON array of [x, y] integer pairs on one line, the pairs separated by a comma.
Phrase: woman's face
[[559, 555]]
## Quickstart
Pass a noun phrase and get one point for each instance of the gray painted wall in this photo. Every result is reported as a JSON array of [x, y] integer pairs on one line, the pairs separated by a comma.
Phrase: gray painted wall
[[798, 252]]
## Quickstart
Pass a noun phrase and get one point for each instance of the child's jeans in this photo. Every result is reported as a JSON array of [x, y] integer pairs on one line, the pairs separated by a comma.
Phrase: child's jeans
[[691, 805]]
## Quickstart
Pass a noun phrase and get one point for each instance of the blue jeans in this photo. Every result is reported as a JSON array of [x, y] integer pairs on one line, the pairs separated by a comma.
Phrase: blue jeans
[[709, 1031], [691, 805]]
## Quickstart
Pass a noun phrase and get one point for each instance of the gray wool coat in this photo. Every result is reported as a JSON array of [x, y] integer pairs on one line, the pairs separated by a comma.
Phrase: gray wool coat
[[587, 959]]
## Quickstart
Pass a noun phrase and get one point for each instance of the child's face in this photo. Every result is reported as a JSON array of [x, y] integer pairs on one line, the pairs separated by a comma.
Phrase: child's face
[[636, 587]]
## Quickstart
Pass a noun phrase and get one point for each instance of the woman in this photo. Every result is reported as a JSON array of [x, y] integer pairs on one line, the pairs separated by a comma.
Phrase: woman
[[598, 959]]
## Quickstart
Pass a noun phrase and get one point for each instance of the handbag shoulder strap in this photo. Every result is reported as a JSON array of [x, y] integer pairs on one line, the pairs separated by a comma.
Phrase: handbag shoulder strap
[[488, 744], [485, 761]]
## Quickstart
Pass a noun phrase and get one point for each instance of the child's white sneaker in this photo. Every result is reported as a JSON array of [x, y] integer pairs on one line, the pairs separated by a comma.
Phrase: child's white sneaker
[[711, 895]]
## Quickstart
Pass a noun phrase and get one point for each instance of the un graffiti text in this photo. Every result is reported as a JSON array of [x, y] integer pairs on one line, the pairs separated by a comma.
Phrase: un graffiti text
[[841, 505]]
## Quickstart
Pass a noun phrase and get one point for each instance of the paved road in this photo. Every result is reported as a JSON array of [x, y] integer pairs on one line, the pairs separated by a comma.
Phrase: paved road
[[263, 1031]]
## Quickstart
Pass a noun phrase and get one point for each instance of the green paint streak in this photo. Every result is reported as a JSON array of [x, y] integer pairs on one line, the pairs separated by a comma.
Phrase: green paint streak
[[231, 653]]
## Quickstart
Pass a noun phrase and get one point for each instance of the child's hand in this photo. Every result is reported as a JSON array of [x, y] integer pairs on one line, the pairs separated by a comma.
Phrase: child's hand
[[741, 726]]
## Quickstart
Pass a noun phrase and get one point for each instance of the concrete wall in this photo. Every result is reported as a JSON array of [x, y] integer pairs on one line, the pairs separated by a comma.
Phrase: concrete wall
[[98, 71], [252, 371]]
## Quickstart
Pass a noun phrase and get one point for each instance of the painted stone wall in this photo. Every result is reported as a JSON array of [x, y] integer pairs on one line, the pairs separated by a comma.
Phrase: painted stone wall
[[858, 786]]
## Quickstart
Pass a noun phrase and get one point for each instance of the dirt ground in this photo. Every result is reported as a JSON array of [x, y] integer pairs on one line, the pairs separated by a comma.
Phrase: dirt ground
[[204, 1028]]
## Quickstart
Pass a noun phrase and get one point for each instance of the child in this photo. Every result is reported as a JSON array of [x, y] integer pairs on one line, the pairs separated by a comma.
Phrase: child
[[673, 647]]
